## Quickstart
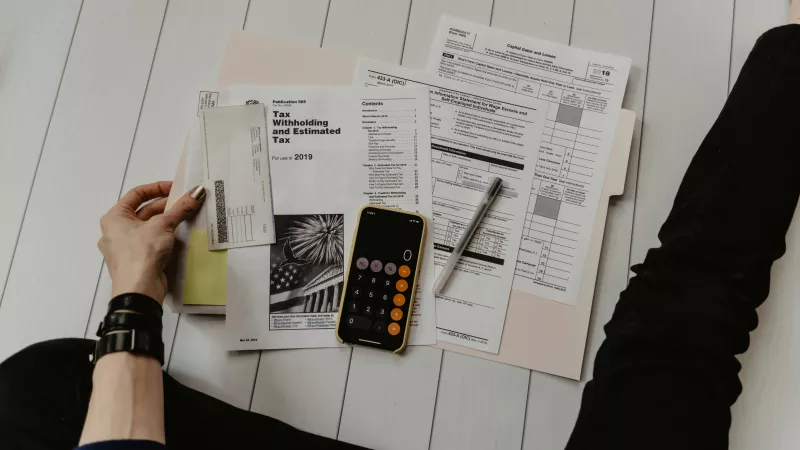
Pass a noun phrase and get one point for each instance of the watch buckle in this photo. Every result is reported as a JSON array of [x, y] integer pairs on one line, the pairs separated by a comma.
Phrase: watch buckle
[[133, 340]]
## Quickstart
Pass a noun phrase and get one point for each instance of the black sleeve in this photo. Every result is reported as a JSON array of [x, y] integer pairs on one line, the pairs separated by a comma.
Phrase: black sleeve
[[134, 444], [666, 374]]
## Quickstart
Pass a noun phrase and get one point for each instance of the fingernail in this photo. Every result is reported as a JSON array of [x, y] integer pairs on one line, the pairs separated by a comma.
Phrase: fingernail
[[198, 193]]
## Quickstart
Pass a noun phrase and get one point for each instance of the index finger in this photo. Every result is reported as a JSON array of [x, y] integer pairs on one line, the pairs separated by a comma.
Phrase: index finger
[[140, 194]]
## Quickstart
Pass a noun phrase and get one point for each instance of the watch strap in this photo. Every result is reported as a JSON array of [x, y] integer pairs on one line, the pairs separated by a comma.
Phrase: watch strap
[[139, 303], [138, 342], [124, 320]]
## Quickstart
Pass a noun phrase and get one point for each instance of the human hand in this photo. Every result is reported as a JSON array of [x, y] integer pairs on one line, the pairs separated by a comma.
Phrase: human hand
[[137, 240]]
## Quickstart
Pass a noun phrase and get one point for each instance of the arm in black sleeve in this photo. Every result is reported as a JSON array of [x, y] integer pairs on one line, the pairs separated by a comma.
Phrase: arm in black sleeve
[[666, 375], [124, 445]]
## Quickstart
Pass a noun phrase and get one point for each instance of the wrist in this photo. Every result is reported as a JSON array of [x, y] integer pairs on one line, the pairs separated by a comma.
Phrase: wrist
[[128, 363], [138, 285], [127, 400]]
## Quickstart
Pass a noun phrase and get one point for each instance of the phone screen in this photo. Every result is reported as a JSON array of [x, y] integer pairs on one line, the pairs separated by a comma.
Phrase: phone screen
[[382, 276]]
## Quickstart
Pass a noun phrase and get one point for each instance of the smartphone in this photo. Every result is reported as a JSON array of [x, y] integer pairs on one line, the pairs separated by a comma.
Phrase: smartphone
[[381, 279]]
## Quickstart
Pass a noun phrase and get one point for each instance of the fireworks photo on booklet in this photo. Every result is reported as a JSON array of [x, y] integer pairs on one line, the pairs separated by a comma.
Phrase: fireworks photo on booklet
[[307, 269]]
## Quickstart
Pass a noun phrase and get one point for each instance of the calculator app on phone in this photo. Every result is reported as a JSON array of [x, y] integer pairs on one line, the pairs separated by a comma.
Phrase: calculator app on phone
[[378, 296]]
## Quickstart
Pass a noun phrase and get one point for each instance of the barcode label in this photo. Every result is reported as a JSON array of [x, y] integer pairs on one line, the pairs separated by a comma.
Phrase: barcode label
[[222, 220]]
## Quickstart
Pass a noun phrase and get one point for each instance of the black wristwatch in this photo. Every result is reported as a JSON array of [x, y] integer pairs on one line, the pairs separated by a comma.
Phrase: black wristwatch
[[138, 342], [132, 324]]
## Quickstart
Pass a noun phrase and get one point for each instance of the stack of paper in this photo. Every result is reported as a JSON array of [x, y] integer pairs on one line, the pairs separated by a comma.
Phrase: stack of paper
[[332, 150], [478, 133], [541, 116]]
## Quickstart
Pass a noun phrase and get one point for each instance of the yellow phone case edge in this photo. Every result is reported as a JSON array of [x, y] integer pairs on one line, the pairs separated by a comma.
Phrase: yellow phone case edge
[[413, 296]]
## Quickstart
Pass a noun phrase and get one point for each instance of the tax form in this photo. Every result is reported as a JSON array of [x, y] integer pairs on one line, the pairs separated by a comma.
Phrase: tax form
[[332, 151], [584, 91], [476, 134]]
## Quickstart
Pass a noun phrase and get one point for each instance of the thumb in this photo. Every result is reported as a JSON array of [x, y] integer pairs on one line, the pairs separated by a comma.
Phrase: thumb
[[185, 207]]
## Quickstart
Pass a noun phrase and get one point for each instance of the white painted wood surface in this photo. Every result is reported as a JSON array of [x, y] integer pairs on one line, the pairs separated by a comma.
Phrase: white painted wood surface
[[424, 18], [113, 117], [551, 19], [389, 399], [751, 18], [304, 388], [372, 28], [192, 41], [687, 84], [405, 388], [56, 264], [480, 404], [553, 405], [198, 361], [35, 37], [292, 20]]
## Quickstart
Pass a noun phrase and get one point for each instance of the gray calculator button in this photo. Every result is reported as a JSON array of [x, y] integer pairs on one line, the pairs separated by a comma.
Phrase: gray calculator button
[[362, 263], [390, 268], [358, 322], [376, 266], [379, 326]]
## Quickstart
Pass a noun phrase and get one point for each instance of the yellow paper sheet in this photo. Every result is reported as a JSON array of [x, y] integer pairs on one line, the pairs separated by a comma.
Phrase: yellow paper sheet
[[206, 272]]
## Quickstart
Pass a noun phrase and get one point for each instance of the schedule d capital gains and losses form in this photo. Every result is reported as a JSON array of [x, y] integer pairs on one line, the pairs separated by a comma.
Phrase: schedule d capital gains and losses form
[[584, 93], [477, 134]]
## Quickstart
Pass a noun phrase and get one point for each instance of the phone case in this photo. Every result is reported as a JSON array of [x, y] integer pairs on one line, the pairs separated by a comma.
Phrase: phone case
[[412, 288]]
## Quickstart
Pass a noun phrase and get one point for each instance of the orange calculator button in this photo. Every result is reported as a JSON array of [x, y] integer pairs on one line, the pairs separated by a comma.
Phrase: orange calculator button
[[402, 285], [396, 314], [394, 329], [399, 299], [404, 271]]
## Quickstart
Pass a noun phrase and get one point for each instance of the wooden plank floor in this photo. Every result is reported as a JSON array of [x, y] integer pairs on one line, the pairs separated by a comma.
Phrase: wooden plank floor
[[96, 96]]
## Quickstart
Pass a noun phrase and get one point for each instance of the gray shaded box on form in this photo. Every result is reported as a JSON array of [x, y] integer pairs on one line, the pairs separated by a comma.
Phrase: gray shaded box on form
[[546, 207], [569, 115]]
